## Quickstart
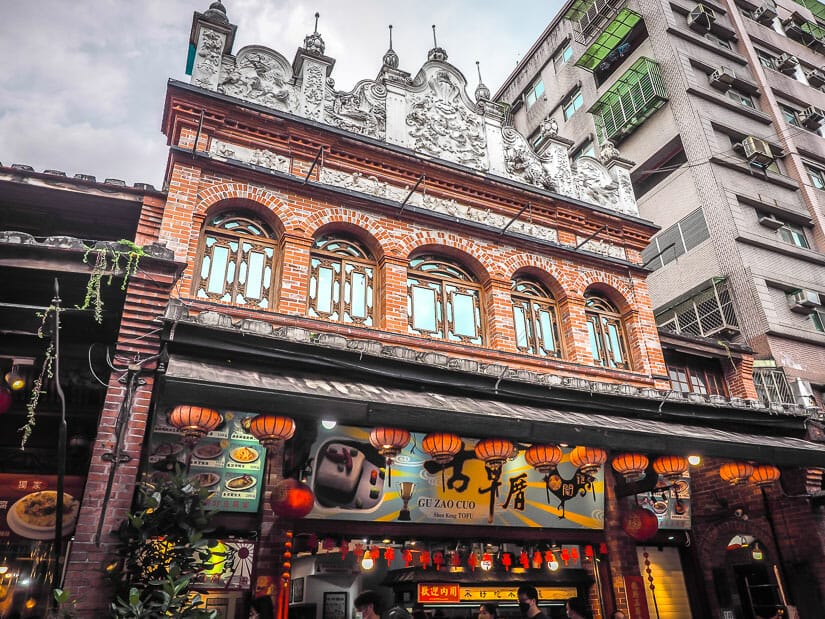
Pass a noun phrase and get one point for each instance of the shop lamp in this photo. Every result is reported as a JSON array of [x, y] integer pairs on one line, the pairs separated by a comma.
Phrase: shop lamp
[[588, 460], [367, 562], [735, 472], [270, 429], [442, 447], [764, 474], [329, 424], [3, 569], [756, 552], [494, 452], [194, 422], [631, 466], [389, 442], [14, 379], [486, 561], [543, 458], [670, 468], [553, 563]]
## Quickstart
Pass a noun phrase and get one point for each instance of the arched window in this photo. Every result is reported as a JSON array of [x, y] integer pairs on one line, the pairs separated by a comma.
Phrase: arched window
[[535, 319], [237, 260], [341, 281], [604, 327], [443, 300]]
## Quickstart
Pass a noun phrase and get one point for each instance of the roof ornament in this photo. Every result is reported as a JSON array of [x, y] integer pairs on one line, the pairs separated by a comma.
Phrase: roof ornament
[[436, 53], [482, 92], [313, 42], [391, 58], [216, 13]]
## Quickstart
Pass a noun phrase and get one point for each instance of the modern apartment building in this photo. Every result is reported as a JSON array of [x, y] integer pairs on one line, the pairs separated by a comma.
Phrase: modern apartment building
[[719, 106]]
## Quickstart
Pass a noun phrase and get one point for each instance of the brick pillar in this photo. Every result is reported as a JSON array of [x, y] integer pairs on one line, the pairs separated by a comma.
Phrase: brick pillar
[[294, 292], [622, 558], [146, 297], [499, 323], [574, 330], [739, 377], [393, 294]]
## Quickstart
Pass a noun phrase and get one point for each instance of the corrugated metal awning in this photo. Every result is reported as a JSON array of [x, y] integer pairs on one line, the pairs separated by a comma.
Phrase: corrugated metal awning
[[362, 403]]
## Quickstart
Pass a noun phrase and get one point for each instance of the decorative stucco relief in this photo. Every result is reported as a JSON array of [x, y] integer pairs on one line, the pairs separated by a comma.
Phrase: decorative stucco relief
[[602, 247], [208, 59], [314, 87], [374, 187], [255, 156], [361, 111], [595, 183], [260, 76], [522, 162]]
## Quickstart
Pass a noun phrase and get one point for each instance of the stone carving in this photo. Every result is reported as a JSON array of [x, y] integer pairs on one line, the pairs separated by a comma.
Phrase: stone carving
[[522, 162], [549, 127], [208, 61], [608, 152], [595, 183], [374, 187], [256, 156], [314, 92], [602, 247], [314, 43], [442, 126], [258, 76], [626, 200], [361, 111]]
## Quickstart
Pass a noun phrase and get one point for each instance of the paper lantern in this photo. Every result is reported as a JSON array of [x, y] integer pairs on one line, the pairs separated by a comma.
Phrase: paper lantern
[[631, 466], [389, 442], [764, 474], [735, 472], [670, 468], [588, 460], [442, 447], [494, 451], [641, 524], [292, 499], [543, 457], [194, 422], [269, 429]]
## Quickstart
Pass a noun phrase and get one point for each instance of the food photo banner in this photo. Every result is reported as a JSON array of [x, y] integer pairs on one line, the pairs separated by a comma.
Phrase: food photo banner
[[351, 482], [28, 505], [228, 461]]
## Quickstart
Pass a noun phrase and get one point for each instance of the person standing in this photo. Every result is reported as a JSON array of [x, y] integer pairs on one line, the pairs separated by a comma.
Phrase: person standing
[[368, 603], [528, 603], [488, 610], [577, 609], [618, 614]]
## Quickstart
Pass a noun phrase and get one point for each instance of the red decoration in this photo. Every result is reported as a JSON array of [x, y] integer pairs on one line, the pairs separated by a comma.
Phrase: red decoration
[[292, 499], [549, 556], [438, 560], [537, 559], [507, 561], [472, 561], [588, 551], [358, 551], [455, 559], [194, 422], [389, 554], [425, 559], [565, 555], [408, 558], [344, 549], [328, 543], [5, 399], [524, 560], [602, 548], [641, 524]]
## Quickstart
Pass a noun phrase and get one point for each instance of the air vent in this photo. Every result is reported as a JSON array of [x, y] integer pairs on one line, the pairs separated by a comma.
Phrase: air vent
[[812, 117], [757, 151], [722, 78], [701, 18], [803, 301], [787, 63], [769, 221], [816, 78], [765, 13]]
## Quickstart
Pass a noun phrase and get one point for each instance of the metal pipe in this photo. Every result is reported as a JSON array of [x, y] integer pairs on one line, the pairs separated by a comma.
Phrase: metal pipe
[[61, 440], [412, 191], [314, 163], [198, 134], [596, 233], [512, 221]]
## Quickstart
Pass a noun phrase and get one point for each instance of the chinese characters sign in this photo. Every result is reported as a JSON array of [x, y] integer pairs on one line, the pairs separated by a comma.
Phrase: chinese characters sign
[[449, 593], [349, 480], [228, 461], [636, 600], [27, 505]]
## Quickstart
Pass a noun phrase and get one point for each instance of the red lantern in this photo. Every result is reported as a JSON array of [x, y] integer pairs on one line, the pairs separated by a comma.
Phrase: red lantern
[[631, 466], [389, 442], [588, 551], [472, 561], [358, 551], [764, 474], [670, 467], [269, 429], [588, 460], [442, 447], [507, 561], [425, 559], [344, 549], [438, 560], [735, 472], [494, 451], [389, 554], [574, 553], [524, 560], [641, 524], [292, 499], [455, 559], [408, 558], [5, 399], [565, 555], [602, 548], [537, 559], [543, 457], [194, 422]]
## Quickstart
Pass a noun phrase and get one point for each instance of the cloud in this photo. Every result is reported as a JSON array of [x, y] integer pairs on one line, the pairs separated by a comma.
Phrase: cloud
[[84, 82]]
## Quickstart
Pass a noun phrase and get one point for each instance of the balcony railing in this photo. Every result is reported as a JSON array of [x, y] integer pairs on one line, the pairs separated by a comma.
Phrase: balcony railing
[[635, 96], [707, 313], [590, 16]]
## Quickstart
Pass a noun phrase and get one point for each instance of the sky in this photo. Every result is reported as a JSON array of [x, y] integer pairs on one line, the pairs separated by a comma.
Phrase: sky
[[83, 84]]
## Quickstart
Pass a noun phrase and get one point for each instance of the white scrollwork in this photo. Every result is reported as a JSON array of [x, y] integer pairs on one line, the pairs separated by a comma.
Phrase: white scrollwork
[[442, 126], [595, 183], [208, 60], [259, 77], [522, 162], [601, 247], [255, 156], [314, 91], [361, 111]]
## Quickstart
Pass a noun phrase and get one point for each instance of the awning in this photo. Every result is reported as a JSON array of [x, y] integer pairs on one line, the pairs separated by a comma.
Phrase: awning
[[361, 403], [610, 38]]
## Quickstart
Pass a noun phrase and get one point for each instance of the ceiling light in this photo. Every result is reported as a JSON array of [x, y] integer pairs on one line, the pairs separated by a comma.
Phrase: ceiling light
[[329, 424], [695, 460]]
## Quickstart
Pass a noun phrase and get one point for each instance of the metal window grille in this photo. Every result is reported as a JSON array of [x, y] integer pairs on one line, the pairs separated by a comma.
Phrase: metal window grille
[[772, 386], [685, 234], [708, 313], [590, 16], [635, 96]]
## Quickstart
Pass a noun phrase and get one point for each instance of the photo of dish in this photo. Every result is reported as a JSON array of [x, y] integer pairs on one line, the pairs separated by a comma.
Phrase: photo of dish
[[680, 508], [207, 479], [244, 454], [207, 451], [168, 449], [242, 424], [34, 515], [680, 487], [660, 507], [243, 482]]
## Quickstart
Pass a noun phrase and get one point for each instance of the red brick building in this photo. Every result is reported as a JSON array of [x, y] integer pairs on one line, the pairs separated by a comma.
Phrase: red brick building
[[462, 333]]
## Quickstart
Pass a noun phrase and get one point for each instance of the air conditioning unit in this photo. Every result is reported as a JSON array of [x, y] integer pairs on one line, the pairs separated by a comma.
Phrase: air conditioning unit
[[722, 78], [769, 221], [765, 13], [812, 117], [757, 151], [701, 18], [816, 78], [787, 63], [803, 301]]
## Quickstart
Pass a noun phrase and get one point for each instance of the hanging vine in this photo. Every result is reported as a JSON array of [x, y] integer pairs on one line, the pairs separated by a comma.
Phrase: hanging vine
[[108, 259]]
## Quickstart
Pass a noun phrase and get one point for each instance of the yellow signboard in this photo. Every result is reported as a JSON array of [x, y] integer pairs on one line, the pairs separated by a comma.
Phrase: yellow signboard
[[446, 593]]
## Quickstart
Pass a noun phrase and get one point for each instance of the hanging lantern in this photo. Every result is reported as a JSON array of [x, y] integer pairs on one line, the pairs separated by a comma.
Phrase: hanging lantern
[[389, 554], [194, 422], [486, 561], [670, 468], [389, 442], [543, 458], [292, 499], [344, 549], [494, 452], [408, 557], [537, 559], [735, 472], [602, 548], [438, 560], [588, 551], [631, 466], [588, 460], [639, 523], [507, 561], [442, 447], [472, 561], [764, 474], [455, 559], [425, 559], [524, 559], [269, 429]]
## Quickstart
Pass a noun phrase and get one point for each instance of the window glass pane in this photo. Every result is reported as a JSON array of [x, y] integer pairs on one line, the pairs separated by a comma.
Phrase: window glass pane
[[539, 89], [220, 256], [464, 315], [697, 383], [520, 323], [595, 344], [358, 295], [615, 345], [323, 299], [567, 54], [256, 273], [548, 337], [423, 309]]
